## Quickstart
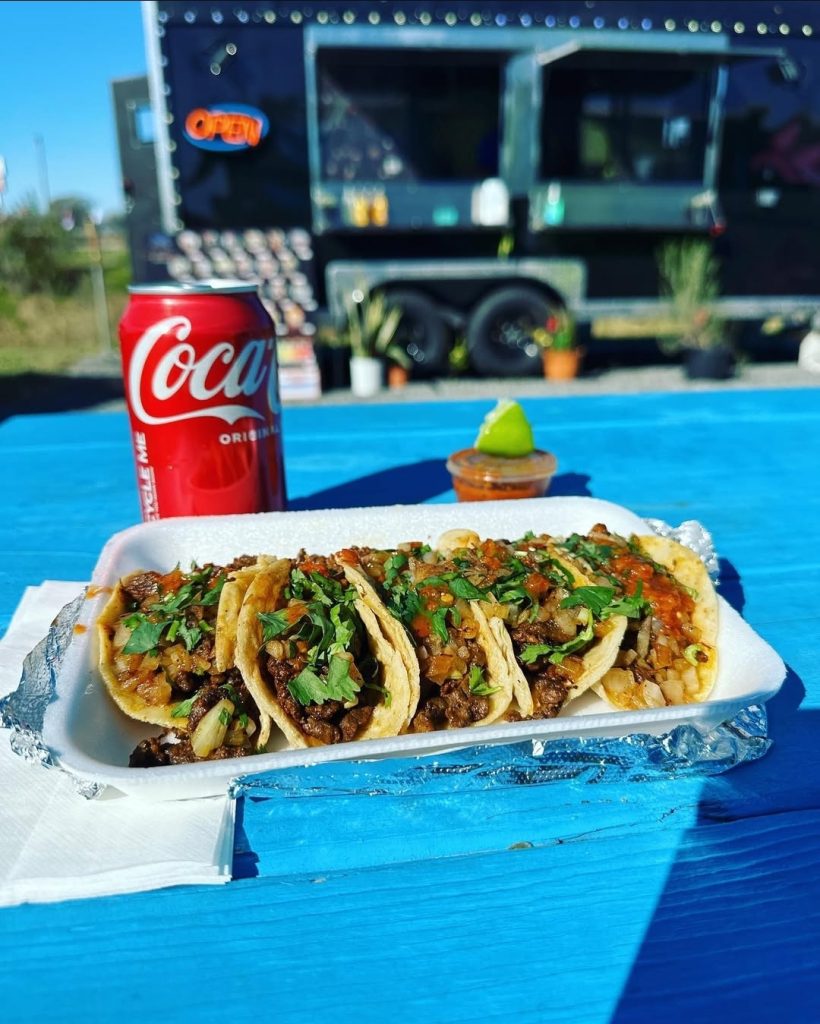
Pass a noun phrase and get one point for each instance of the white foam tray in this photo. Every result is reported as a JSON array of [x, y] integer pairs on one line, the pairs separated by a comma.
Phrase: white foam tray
[[91, 738]]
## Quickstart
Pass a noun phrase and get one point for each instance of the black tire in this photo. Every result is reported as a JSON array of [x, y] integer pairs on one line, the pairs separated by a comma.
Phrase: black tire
[[421, 333], [500, 328]]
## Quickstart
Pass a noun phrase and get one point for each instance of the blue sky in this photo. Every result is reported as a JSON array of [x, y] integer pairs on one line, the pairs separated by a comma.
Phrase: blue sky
[[58, 59]]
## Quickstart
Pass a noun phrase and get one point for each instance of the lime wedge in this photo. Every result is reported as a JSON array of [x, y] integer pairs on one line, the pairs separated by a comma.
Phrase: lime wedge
[[505, 431]]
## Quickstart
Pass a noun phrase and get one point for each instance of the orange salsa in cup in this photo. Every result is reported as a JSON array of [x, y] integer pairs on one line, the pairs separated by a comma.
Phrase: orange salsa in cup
[[480, 477]]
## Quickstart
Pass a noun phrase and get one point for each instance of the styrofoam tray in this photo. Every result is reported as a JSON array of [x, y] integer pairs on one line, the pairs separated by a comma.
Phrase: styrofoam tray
[[90, 737]]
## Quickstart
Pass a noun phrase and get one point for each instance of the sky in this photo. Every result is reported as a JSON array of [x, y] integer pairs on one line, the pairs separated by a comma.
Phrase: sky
[[58, 60]]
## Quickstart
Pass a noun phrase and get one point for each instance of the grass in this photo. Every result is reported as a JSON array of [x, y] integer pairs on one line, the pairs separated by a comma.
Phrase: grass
[[43, 333]]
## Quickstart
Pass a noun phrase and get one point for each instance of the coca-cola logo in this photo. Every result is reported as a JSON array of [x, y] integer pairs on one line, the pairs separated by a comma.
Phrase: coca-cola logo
[[225, 371]]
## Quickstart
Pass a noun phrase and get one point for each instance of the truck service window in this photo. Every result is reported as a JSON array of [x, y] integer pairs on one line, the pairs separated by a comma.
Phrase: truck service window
[[614, 117], [407, 116]]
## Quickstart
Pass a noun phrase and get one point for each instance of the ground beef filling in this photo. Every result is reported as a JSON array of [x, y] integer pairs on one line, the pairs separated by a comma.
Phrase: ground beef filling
[[448, 703], [328, 722], [549, 684], [174, 746], [446, 700]]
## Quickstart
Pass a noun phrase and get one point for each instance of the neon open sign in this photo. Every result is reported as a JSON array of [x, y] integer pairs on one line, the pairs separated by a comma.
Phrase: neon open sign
[[226, 129]]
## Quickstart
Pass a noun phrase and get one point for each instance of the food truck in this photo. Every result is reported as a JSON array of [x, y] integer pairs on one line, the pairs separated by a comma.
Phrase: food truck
[[483, 164]]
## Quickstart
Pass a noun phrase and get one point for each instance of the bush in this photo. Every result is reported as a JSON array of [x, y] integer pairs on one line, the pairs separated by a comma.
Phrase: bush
[[35, 252]]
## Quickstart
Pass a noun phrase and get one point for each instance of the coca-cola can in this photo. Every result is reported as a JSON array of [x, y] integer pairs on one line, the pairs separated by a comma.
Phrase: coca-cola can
[[199, 364]]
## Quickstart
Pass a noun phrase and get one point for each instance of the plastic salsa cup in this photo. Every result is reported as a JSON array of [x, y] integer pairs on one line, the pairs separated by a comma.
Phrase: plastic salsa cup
[[480, 477]]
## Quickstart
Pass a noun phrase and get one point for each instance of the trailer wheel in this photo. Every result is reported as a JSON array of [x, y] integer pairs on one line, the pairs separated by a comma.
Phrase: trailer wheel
[[500, 332], [421, 333]]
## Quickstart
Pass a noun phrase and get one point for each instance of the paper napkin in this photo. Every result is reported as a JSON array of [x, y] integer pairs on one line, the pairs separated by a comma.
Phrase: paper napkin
[[55, 845]]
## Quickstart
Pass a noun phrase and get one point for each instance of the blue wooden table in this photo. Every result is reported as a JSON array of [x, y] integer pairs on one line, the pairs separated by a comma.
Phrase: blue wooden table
[[687, 899]]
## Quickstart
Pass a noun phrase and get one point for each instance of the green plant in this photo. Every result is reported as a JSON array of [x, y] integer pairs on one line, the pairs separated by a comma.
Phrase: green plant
[[506, 244], [689, 276], [35, 254], [370, 329], [458, 358], [558, 333]]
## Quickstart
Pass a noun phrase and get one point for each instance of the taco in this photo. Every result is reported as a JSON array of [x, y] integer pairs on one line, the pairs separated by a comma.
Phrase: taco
[[556, 640], [166, 655], [458, 674], [668, 654], [315, 658]]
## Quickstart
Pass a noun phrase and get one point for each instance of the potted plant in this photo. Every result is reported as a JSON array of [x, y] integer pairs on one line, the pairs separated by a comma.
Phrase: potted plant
[[397, 374], [370, 333], [561, 354], [690, 279]]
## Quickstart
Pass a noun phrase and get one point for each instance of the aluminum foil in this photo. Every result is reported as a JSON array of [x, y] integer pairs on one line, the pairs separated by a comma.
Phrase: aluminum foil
[[692, 535], [685, 750], [23, 711]]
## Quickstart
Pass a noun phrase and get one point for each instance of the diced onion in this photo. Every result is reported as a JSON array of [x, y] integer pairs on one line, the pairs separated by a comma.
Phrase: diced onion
[[652, 695], [618, 680], [210, 731], [452, 540], [642, 640], [673, 690]]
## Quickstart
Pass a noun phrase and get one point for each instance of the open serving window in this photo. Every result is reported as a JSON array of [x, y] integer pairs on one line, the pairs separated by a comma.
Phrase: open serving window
[[405, 137], [629, 137]]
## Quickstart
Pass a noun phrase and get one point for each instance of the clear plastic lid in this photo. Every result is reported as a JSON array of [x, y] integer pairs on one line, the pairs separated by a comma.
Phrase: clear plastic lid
[[472, 464]]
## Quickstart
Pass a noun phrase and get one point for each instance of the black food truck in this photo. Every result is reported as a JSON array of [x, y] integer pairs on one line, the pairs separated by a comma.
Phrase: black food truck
[[481, 163]]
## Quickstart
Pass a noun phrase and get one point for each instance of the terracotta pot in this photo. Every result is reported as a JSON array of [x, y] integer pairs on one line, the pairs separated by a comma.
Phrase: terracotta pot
[[397, 376], [561, 364]]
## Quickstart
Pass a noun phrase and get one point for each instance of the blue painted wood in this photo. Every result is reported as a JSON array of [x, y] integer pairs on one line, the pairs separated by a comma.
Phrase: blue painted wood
[[697, 899]]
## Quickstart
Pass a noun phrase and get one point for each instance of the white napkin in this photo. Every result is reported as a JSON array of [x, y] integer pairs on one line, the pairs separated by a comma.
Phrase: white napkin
[[55, 845]]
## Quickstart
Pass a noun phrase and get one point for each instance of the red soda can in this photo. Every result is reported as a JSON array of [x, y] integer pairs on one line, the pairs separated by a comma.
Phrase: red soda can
[[199, 364]]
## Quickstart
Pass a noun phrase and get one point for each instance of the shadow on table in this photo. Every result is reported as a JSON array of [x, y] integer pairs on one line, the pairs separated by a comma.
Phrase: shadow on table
[[412, 484], [27, 393], [742, 940]]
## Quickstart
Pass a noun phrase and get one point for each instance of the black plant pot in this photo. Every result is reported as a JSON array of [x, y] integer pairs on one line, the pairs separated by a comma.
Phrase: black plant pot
[[709, 363]]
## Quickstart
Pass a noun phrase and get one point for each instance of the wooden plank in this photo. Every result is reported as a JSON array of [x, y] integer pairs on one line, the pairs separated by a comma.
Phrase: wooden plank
[[701, 922]]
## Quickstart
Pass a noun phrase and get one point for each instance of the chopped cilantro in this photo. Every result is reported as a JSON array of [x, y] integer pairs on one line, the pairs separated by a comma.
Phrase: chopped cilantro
[[594, 598], [603, 603], [393, 566], [439, 621], [457, 585], [183, 709], [309, 688], [273, 624], [145, 636], [478, 684], [212, 595], [344, 628], [555, 653], [595, 554], [170, 612], [633, 606], [224, 717], [191, 635]]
